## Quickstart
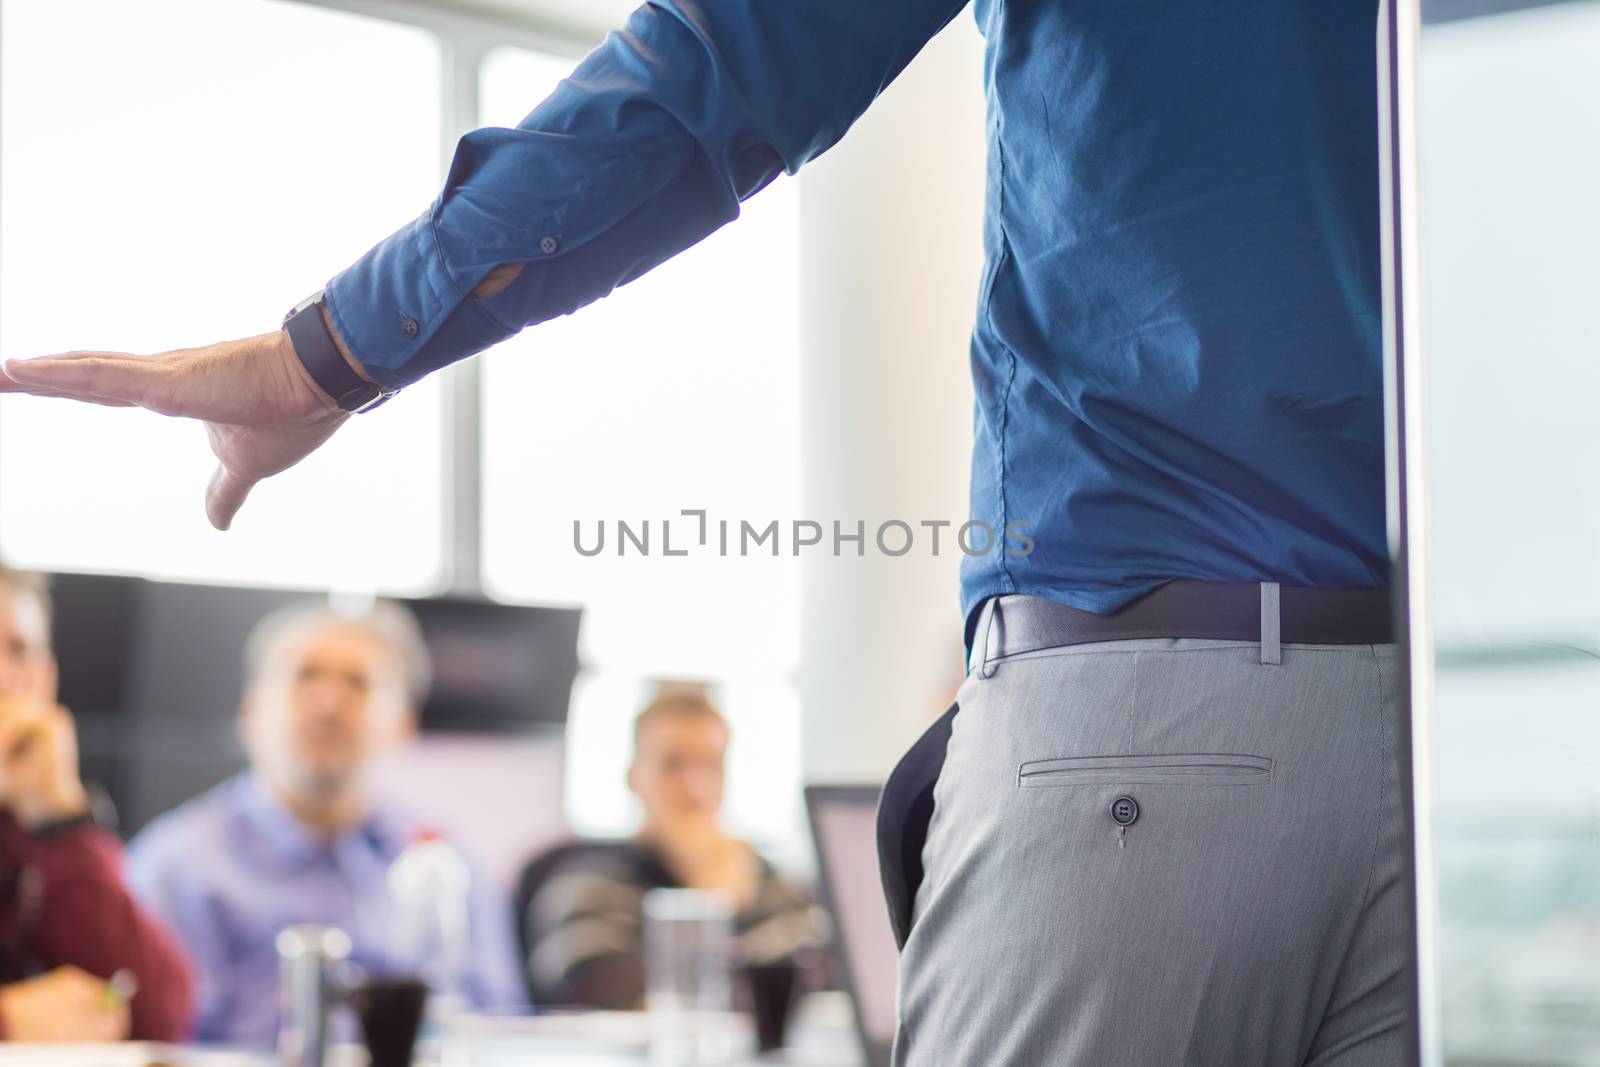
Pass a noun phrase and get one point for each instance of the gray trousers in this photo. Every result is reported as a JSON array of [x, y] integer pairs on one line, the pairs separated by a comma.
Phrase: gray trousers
[[1251, 913]]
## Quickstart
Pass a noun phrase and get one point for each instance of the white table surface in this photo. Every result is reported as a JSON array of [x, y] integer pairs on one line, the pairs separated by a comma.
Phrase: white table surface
[[821, 1035], [122, 1054], [508, 1051]]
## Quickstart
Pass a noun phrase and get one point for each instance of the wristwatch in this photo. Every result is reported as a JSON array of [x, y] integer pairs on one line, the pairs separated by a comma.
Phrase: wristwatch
[[308, 332]]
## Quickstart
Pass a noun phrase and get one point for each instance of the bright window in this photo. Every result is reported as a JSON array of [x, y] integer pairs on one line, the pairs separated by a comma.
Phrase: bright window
[[679, 391], [1508, 169], [286, 138], [250, 151]]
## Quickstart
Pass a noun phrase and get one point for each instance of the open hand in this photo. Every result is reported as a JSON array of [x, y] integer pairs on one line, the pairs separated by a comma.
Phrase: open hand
[[262, 409]]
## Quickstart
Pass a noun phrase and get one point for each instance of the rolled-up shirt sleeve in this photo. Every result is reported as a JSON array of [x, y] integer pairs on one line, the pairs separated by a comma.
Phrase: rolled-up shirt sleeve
[[647, 147]]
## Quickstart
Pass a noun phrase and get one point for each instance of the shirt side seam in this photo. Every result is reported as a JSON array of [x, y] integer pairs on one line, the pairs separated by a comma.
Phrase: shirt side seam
[[1011, 357]]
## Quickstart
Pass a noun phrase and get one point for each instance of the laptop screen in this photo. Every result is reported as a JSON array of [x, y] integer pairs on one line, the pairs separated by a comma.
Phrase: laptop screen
[[843, 823]]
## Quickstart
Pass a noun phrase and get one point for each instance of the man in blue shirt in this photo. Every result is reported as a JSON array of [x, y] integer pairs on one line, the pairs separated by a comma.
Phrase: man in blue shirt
[[1177, 368], [300, 837]]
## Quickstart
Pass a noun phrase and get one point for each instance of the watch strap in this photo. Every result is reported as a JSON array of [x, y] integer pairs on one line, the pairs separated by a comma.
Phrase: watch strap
[[314, 344]]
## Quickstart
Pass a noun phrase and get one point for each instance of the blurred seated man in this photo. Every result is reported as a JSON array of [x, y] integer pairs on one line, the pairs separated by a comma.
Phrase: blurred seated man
[[67, 923], [580, 905], [300, 836]]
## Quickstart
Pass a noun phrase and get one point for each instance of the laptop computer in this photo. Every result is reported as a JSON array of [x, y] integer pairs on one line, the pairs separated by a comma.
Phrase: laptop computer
[[844, 829]]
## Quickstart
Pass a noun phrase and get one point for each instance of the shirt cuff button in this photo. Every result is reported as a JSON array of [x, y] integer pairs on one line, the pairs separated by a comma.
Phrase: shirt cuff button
[[409, 327], [548, 245]]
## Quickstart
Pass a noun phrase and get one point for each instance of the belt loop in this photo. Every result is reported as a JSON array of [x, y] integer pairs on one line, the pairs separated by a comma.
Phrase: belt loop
[[1271, 648], [980, 644]]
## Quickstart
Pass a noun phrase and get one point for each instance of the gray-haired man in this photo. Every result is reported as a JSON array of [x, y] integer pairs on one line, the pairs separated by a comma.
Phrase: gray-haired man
[[300, 836]]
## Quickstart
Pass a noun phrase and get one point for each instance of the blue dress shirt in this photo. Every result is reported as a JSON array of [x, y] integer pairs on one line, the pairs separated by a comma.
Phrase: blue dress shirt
[[1177, 352], [231, 868]]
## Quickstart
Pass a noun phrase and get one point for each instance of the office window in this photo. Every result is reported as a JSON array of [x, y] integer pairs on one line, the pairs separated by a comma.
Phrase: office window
[[1508, 168], [250, 151], [679, 391]]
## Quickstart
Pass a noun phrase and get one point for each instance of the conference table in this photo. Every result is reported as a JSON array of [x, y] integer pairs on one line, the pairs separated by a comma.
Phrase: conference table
[[821, 1036], [525, 1052], [505, 1052]]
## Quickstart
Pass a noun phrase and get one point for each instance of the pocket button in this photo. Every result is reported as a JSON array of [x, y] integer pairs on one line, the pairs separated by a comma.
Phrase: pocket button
[[1124, 810]]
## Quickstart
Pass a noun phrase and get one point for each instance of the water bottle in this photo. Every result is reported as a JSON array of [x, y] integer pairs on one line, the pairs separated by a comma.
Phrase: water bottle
[[429, 890]]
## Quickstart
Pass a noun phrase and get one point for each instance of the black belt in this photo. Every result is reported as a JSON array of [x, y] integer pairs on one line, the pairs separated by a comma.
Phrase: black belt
[[1220, 611], [1271, 614]]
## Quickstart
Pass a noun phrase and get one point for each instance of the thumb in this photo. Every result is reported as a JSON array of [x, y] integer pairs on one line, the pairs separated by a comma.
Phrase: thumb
[[225, 495]]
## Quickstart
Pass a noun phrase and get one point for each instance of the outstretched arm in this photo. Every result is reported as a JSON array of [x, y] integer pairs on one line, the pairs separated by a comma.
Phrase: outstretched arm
[[647, 147]]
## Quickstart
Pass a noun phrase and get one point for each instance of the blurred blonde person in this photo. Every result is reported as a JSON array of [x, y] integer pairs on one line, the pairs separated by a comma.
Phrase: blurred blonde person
[[580, 905]]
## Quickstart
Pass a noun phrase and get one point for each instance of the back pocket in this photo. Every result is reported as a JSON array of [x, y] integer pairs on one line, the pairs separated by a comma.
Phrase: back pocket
[[1203, 768]]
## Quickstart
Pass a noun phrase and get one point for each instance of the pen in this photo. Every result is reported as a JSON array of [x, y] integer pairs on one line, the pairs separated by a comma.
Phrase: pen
[[120, 988]]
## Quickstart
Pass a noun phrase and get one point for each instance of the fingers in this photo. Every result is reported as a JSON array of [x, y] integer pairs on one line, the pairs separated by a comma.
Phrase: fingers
[[225, 495], [65, 1004], [255, 381], [29, 739], [111, 1024], [113, 376], [78, 984], [93, 1010], [20, 729], [39, 781], [8, 386]]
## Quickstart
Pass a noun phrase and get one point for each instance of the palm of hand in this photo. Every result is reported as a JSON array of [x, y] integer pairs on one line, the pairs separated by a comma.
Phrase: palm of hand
[[262, 411]]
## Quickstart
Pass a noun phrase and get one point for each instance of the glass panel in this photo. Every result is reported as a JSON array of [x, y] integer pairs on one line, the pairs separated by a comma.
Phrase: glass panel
[[1509, 165], [678, 391], [250, 151]]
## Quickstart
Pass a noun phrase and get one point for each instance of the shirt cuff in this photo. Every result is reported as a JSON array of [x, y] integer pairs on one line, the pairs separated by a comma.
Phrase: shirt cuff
[[399, 312]]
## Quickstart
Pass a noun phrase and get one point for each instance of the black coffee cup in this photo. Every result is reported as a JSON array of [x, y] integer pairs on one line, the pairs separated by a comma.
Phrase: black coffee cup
[[772, 988], [390, 1010]]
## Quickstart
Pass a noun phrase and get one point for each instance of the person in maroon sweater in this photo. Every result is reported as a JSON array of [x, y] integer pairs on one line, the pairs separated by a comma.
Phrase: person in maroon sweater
[[67, 923]]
